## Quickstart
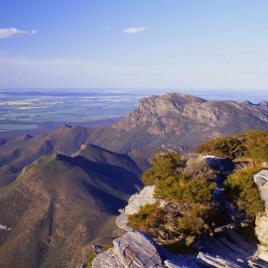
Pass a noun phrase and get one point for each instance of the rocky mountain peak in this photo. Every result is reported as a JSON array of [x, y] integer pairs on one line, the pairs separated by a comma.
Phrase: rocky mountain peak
[[176, 120], [176, 112]]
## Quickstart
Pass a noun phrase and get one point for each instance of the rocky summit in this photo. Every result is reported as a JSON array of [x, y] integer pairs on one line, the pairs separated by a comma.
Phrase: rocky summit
[[179, 121], [226, 248]]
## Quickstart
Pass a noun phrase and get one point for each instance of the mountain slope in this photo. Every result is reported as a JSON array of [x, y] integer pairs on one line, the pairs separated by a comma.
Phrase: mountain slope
[[177, 120], [17, 152], [59, 204]]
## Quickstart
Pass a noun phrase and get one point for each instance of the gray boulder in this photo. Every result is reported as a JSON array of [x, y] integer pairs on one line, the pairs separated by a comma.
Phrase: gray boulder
[[107, 259], [261, 179], [134, 249], [135, 202]]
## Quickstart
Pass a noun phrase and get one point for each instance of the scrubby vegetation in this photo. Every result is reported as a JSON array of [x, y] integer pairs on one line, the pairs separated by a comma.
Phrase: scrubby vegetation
[[149, 219], [252, 144], [164, 165], [187, 185], [243, 192], [230, 147], [184, 184], [240, 186], [90, 258]]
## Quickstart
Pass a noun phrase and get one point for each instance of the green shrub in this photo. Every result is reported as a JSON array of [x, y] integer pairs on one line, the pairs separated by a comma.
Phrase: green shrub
[[230, 147], [188, 213], [196, 167], [164, 165], [149, 218], [90, 258], [243, 192], [252, 144], [185, 191]]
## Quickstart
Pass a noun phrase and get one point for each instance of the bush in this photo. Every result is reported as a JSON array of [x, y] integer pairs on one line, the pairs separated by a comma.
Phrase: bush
[[164, 165], [230, 147], [90, 258], [149, 218], [185, 191], [183, 183], [188, 213], [196, 167], [243, 192], [252, 144]]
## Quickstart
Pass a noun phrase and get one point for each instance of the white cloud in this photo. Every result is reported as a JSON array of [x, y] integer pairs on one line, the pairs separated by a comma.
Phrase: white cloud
[[11, 32], [133, 30]]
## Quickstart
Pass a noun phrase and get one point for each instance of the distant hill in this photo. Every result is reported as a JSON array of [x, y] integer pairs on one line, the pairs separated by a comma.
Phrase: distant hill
[[18, 151], [178, 121], [59, 204], [172, 121], [59, 192]]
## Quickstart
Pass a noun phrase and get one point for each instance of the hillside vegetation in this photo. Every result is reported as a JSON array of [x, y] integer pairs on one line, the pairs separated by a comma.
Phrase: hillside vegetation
[[188, 186], [189, 194], [252, 144], [60, 204]]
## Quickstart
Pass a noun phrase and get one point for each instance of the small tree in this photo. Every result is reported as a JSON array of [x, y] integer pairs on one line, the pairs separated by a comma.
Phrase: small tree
[[243, 192]]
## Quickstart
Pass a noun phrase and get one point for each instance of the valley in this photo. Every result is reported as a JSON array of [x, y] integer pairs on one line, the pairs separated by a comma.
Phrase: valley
[[61, 190]]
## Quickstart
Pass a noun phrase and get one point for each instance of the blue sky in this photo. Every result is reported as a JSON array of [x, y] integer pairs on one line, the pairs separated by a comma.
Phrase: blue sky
[[208, 44]]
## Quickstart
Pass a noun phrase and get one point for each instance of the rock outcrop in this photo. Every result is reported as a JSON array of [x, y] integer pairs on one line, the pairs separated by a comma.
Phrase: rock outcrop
[[133, 249], [225, 249], [178, 121], [135, 202], [261, 179]]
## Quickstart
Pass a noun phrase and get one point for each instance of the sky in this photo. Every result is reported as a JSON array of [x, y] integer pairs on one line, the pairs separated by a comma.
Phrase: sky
[[134, 44]]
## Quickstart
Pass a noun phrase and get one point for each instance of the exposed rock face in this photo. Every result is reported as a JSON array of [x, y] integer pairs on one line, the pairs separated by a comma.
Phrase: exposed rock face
[[135, 202], [226, 248], [263, 105], [261, 179], [177, 120], [134, 249], [144, 197]]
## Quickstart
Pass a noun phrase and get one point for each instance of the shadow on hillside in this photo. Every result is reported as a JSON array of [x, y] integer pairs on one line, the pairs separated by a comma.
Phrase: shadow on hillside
[[117, 178]]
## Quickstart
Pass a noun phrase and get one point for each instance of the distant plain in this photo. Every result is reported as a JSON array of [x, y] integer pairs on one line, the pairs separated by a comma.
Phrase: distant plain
[[45, 109]]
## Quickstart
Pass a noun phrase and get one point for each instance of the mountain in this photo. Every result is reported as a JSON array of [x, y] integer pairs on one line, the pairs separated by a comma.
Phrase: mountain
[[18, 151], [59, 204], [178, 121], [172, 121]]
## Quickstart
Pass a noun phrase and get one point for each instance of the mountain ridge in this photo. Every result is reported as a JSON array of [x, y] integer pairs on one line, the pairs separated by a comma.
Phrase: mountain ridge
[[175, 121], [59, 204]]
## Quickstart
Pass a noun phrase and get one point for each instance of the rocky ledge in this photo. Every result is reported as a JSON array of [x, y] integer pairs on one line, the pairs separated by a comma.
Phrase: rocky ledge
[[137, 249], [261, 179], [225, 249]]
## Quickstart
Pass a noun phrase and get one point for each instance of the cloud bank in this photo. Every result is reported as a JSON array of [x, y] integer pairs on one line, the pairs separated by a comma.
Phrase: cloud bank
[[12, 32], [134, 30]]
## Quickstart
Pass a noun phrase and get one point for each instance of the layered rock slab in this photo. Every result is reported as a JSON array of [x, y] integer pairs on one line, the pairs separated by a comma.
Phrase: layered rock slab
[[133, 249]]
